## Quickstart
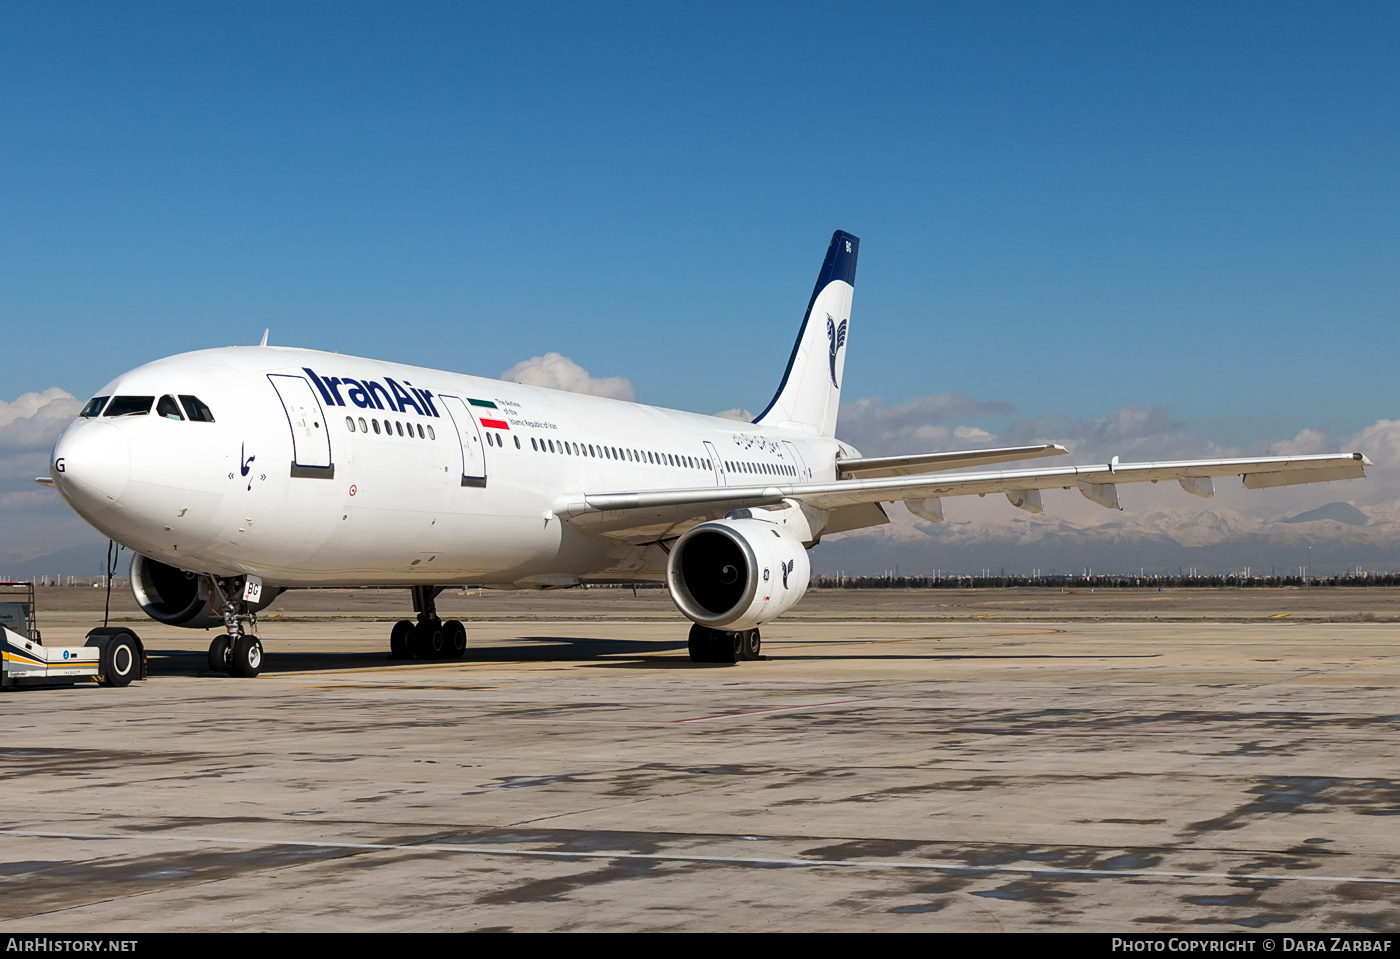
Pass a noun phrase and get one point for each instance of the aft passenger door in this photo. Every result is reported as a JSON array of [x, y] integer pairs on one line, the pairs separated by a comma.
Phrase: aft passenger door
[[469, 435], [716, 464], [311, 441]]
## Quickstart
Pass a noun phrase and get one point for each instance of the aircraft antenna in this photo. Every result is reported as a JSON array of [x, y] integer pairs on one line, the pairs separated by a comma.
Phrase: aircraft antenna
[[264, 339]]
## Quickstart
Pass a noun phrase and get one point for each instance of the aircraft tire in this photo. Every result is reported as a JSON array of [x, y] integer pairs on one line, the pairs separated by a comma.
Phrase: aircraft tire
[[121, 661], [218, 655], [700, 643], [713, 645], [435, 638], [750, 645], [401, 640], [427, 641], [456, 636], [246, 657]]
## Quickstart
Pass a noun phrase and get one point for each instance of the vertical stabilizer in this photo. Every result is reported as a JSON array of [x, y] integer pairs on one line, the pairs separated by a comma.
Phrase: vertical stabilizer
[[810, 393]]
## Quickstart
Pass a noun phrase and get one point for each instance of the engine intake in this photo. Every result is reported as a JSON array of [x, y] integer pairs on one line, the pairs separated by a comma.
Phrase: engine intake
[[737, 574], [177, 597]]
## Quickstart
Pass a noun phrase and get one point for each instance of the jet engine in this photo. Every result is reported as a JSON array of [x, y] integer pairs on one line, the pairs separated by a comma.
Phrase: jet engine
[[177, 597], [737, 573]]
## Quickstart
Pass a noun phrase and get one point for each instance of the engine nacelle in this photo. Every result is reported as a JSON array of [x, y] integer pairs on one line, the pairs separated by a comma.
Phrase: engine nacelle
[[737, 574], [176, 597]]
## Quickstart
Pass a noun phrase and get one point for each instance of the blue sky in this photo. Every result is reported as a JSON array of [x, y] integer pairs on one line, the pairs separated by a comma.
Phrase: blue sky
[[1065, 207]]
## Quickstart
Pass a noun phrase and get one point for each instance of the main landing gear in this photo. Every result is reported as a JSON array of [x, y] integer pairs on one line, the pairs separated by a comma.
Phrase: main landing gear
[[723, 645], [238, 653], [429, 637]]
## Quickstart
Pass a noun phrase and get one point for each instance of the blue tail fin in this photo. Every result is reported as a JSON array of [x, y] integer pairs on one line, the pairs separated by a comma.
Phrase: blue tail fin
[[810, 394]]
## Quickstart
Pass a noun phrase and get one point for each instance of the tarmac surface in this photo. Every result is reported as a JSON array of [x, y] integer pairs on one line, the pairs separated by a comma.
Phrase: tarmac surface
[[900, 769]]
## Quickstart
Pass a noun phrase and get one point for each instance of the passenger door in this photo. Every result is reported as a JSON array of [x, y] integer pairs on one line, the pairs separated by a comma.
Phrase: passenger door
[[311, 440], [469, 435]]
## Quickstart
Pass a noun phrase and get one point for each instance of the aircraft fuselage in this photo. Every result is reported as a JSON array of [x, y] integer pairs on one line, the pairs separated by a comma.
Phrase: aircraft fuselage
[[320, 468]]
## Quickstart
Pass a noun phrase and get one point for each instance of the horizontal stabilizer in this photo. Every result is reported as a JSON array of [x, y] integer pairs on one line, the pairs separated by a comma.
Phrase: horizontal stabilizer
[[875, 467]]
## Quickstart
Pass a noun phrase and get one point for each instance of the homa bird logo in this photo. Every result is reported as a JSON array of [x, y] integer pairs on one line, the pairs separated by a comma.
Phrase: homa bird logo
[[787, 568], [837, 337], [247, 464]]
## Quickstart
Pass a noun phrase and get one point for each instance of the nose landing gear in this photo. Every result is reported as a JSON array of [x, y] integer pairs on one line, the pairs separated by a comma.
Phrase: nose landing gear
[[238, 653]]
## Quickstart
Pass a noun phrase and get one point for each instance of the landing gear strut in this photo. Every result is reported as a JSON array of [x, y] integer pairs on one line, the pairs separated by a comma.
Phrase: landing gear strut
[[429, 637], [723, 645], [238, 653]]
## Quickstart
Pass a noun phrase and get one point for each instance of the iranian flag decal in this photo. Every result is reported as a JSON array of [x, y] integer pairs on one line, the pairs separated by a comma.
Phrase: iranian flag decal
[[486, 421]]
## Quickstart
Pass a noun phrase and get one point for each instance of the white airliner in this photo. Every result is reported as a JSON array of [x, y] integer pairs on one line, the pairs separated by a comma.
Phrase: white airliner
[[236, 473]]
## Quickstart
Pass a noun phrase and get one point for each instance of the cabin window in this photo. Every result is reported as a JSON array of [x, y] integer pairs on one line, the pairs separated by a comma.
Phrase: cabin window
[[129, 406], [517, 443], [350, 423], [420, 431], [196, 410], [364, 427], [375, 423], [94, 406]]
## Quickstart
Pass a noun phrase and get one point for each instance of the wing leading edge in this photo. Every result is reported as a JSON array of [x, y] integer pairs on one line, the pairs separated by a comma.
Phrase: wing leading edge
[[657, 514]]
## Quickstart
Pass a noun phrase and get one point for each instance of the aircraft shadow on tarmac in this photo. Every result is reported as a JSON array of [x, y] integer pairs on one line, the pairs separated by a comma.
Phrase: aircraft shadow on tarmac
[[586, 650], [526, 649]]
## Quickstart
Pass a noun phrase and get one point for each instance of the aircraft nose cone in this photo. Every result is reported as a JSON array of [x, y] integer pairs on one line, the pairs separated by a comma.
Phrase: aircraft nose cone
[[91, 465]]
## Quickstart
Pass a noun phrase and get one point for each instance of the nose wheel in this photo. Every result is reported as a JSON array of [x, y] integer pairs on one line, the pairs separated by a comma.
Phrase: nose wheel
[[238, 653], [236, 657]]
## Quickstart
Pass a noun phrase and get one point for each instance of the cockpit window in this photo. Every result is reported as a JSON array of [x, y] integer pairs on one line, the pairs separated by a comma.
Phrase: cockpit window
[[196, 410], [94, 406], [129, 406], [168, 408]]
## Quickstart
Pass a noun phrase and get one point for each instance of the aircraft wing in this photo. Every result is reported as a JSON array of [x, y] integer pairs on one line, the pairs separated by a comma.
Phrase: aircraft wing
[[651, 515]]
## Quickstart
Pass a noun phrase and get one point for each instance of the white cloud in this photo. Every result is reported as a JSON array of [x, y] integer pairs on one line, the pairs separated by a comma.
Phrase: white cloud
[[743, 416], [1130, 432], [1307, 441], [1161, 513], [1380, 441], [920, 425], [972, 434], [558, 372], [34, 420]]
